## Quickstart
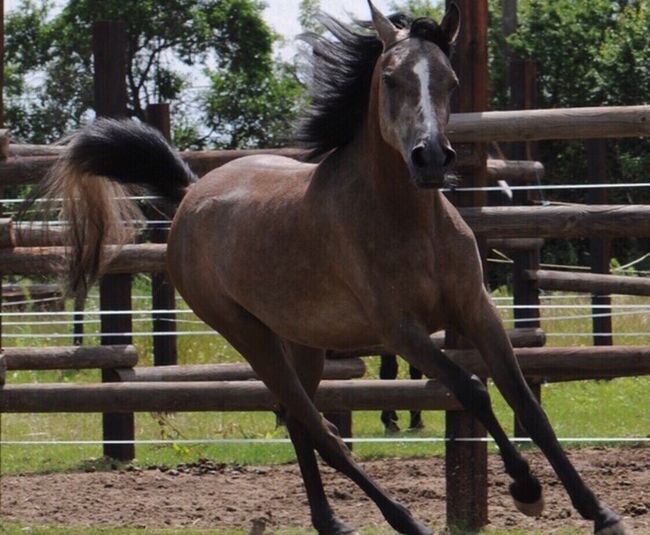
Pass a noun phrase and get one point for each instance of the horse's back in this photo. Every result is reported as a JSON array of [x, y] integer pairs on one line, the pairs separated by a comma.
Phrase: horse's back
[[244, 193]]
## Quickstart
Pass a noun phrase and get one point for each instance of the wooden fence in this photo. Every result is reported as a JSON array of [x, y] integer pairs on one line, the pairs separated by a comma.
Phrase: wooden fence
[[31, 251]]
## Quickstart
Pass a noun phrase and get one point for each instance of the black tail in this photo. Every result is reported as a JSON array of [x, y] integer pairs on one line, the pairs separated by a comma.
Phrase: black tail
[[104, 164], [131, 153]]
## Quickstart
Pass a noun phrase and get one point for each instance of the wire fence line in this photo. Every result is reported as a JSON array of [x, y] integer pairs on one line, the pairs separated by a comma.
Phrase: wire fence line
[[539, 187], [279, 441], [139, 311]]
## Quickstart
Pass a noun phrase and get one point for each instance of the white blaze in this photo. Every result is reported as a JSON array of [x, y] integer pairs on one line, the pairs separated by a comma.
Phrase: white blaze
[[421, 70]]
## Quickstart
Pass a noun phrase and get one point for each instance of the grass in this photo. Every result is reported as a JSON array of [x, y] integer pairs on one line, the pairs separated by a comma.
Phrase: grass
[[615, 408], [572, 407]]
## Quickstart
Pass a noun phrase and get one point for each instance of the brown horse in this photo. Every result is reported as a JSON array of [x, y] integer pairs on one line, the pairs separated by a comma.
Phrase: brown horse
[[288, 259]]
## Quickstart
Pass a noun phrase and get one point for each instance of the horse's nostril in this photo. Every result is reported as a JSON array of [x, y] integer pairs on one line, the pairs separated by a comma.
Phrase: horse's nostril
[[419, 157], [450, 156]]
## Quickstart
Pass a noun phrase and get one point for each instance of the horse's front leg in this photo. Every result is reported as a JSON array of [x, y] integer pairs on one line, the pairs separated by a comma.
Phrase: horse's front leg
[[419, 350], [486, 332]]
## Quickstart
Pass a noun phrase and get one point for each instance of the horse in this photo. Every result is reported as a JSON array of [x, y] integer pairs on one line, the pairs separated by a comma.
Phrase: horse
[[388, 369], [289, 259]]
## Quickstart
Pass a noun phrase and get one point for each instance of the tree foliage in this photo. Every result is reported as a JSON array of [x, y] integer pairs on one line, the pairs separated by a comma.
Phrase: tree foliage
[[420, 8], [49, 58], [589, 53]]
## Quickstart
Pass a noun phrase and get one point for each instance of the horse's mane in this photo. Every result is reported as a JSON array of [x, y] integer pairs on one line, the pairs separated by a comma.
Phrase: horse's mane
[[341, 74]]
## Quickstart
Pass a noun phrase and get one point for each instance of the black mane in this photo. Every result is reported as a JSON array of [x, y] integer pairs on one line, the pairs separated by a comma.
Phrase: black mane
[[341, 76]]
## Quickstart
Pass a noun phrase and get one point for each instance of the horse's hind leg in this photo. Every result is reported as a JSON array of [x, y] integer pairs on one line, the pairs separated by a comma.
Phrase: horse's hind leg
[[263, 350], [388, 370], [308, 364], [489, 337]]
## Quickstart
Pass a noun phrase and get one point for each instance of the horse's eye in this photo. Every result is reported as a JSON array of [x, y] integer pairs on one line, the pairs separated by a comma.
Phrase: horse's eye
[[389, 79]]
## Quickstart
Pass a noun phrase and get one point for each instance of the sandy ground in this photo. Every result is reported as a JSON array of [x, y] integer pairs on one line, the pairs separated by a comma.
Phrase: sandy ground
[[208, 495]]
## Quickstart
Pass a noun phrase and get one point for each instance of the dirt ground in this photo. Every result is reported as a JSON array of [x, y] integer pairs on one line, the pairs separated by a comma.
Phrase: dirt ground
[[208, 495]]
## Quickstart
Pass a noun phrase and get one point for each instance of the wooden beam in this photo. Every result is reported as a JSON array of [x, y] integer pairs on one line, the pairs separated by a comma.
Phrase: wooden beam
[[4, 144], [136, 258], [590, 283], [522, 337], [515, 172], [556, 364], [70, 358], [219, 396], [516, 244], [478, 127], [537, 125], [334, 369], [3, 370], [574, 221], [7, 233]]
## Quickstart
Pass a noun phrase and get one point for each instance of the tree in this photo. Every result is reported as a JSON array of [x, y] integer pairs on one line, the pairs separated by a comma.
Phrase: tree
[[420, 8], [168, 41], [308, 16], [590, 53]]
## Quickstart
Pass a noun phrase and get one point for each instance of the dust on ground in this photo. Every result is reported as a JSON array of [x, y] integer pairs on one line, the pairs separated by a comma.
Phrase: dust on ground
[[210, 495]]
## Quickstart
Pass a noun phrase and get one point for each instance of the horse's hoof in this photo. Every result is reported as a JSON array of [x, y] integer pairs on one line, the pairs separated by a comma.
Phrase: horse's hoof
[[530, 509], [337, 527], [421, 530], [528, 497], [614, 529], [391, 428]]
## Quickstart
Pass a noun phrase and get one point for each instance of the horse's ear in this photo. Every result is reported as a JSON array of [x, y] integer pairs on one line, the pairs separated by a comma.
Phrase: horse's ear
[[385, 29], [450, 23]]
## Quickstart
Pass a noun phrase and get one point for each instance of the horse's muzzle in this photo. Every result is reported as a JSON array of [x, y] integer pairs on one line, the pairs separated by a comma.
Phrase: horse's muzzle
[[429, 162]]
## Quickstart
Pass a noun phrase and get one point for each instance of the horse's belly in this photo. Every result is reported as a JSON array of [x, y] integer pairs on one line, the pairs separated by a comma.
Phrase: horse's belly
[[331, 323]]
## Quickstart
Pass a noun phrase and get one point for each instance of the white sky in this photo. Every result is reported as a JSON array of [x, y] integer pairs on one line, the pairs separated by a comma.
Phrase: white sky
[[282, 15]]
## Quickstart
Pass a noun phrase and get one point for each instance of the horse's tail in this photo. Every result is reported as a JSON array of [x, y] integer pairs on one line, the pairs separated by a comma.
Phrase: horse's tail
[[103, 165]]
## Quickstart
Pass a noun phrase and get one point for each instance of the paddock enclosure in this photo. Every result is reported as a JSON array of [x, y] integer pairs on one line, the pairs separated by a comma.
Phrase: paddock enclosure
[[519, 231]]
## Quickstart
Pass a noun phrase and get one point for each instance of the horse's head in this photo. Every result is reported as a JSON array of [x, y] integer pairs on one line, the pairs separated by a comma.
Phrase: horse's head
[[415, 82]]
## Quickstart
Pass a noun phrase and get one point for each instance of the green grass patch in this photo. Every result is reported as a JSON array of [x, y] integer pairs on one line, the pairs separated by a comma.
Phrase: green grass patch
[[616, 408]]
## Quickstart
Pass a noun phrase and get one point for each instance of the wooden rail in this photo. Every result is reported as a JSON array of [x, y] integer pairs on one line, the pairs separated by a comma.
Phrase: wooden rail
[[219, 396], [515, 172], [19, 170], [552, 364], [334, 369], [136, 258], [3, 370], [557, 364], [70, 358], [575, 221], [516, 244], [505, 222], [536, 125], [590, 283], [523, 337]]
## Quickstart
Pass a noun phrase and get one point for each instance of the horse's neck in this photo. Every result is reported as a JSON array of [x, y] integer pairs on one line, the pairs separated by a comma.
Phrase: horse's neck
[[385, 175]]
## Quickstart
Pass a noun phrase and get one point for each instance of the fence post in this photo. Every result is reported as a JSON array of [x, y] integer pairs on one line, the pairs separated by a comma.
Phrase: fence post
[[162, 291], [2, 84], [600, 248], [523, 87], [522, 78], [109, 49], [466, 462]]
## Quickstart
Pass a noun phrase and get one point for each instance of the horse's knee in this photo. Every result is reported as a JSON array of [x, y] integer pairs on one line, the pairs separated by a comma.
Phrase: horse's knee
[[475, 397]]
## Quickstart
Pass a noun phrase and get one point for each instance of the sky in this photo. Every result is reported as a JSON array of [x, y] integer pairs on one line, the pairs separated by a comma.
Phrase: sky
[[282, 15]]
